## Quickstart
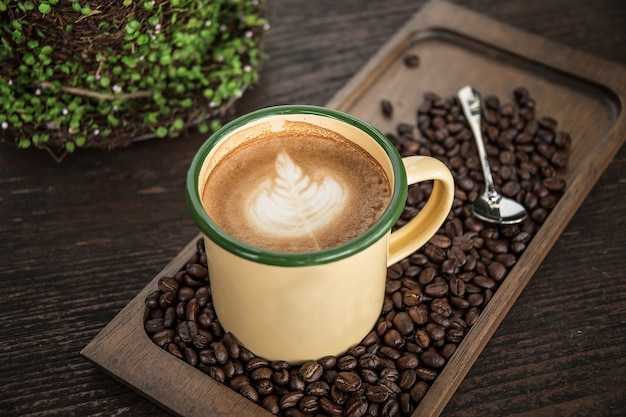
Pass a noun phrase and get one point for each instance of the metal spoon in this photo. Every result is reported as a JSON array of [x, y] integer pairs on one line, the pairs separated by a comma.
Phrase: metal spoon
[[490, 206]]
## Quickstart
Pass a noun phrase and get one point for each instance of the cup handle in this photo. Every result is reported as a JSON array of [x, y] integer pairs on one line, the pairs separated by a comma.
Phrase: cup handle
[[425, 224]]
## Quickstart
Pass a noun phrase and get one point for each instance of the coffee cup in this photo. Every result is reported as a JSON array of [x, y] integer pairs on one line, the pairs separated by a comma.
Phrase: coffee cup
[[297, 205]]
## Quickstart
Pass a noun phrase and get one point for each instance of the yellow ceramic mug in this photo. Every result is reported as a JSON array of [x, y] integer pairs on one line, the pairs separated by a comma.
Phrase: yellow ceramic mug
[[306, 305]]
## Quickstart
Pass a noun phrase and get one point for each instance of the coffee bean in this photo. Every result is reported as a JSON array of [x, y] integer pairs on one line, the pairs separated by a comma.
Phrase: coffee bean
[[386, 107], [408, 361], [393, 338], [389, 352], [369, 361], [391, 408], [290, 399], [369, 376], [311, 371], [436, 289], [271, 404], [261, 373], [356, 406], [154, 325], [338, 396], [426, 374], [166, 299], [390, 385], [348, 381], [296, 383], [418, 391], [196, 270], [347, 363], [281, 377], [318, 388], [175, 350], [239, 381], [426, 277], [168, 284], [264, 387], [369, 340], [411, 60], [202, 339], [221, 353], [497, 271], [329, 407], [389, 373], [308, 404], [403, 323], [377, 393], [433, 360], [419, 314]]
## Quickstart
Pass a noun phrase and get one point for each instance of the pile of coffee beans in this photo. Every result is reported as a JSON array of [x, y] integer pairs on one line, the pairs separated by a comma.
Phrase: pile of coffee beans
[[432, 297]]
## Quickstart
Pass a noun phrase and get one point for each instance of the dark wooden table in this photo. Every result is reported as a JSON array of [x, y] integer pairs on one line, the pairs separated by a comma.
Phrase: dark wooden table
[[79, 239]]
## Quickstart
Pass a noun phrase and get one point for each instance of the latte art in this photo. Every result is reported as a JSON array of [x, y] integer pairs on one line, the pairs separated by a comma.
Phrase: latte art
[[299, 190], [292, 204]]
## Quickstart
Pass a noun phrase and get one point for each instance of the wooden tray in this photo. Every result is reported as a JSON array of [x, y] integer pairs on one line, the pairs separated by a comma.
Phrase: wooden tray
[[456, 47]]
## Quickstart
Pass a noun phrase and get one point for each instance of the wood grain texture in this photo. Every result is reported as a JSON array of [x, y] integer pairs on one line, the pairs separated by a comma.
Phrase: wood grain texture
[[79, 240]]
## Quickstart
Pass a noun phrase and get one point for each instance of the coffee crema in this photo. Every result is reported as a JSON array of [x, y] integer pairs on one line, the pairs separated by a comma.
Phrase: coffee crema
[[299, 190]]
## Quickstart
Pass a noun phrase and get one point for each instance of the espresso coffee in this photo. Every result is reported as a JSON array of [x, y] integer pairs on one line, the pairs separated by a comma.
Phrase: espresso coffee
[[302, 189]]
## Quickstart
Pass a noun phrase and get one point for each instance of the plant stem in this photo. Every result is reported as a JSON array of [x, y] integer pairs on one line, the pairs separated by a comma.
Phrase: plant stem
[[96, 95]]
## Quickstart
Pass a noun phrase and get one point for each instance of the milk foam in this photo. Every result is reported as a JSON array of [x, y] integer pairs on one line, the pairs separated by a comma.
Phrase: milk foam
[[292, 203]]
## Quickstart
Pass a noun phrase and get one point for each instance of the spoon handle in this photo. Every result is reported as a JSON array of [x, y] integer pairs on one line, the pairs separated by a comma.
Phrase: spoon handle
[[470, 102]]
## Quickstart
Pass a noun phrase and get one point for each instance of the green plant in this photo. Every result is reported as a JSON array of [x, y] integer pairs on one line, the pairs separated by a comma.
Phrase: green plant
[[102, 73]]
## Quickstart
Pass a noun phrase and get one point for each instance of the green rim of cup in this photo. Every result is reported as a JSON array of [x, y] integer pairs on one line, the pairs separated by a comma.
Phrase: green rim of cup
[[369, 237]]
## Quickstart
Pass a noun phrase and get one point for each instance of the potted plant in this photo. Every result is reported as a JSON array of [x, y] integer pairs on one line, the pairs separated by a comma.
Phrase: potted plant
[[104, 73]]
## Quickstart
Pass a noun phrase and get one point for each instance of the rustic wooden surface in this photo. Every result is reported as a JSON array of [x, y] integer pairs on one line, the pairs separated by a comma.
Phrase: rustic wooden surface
[[79, 240]]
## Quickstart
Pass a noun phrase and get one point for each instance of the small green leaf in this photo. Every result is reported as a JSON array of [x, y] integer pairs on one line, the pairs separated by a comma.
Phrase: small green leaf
[[26, 5], [161, 132], [105, 81], [113, 121], [132, 27], [85, 10], [165, 60], [44, 8], [80, 141], [203, 128], [24, 143], [70, 146], [215, 124], [143, 39], [178, 124], [76, 6], [29, 59], [127, 3], [130, 61], [151, 117]]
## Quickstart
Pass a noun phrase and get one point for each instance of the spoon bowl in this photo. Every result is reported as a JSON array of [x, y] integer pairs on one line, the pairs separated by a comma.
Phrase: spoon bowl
[[490, 206]]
